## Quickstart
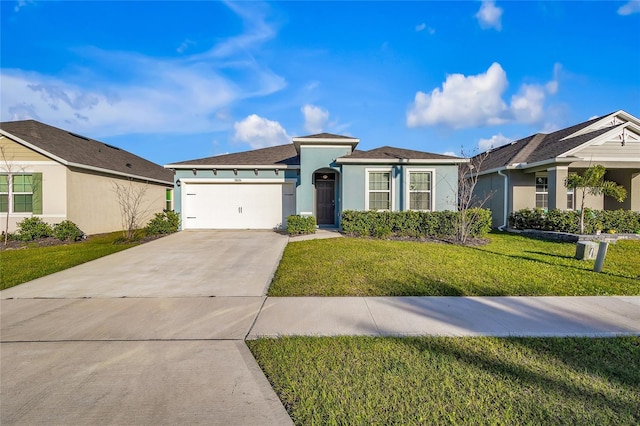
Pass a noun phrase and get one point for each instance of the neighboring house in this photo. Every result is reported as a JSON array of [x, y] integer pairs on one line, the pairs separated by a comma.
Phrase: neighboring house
[[320, 175], [56, 175], [531, 172]]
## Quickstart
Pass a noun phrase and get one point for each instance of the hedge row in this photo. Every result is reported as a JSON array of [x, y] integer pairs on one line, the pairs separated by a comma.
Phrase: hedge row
[[445, 224], [622, 221], [300, 225], [34, 228]]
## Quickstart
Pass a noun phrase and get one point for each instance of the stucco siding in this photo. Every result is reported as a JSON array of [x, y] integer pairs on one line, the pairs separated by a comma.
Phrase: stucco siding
[[313, 158], [92, 202], [54, 193], [444, 187], [492, 187], [523, 190]]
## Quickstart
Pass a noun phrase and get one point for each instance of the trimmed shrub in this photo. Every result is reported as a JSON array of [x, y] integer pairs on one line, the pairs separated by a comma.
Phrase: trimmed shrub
[[624, 221], [163, 223], [300, 225], [33, 228], [67, 231], [415, 224]]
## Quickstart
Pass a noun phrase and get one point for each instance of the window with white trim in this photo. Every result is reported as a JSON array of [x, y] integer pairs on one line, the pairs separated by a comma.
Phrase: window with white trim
[[16, 193], [379, 190], [542, 191], [420, 190], [4, 193], [571, 199]]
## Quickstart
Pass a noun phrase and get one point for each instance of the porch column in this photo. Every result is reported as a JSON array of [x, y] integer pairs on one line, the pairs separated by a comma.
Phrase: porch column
[[634, 193], [557, 191]]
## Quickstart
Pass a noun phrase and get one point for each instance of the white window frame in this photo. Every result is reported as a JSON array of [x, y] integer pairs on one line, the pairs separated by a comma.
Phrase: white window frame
[[367, 171], [432, 190], [535, 201], [11, 204]]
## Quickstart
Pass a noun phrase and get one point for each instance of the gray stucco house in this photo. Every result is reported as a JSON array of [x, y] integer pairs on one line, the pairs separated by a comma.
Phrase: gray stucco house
[[320, 175], [531, 172]]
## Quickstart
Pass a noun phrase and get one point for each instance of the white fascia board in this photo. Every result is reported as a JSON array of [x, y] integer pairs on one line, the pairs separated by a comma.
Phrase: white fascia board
[[425, 162], [32, 147], [331, 140], [601, 139], [229, 167], [625, 115], [229, 180], [81, 166], [557, 160], [113, 172]]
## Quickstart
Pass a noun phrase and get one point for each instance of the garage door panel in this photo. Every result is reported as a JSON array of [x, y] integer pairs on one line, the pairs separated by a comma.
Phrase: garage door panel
[[234, 206]]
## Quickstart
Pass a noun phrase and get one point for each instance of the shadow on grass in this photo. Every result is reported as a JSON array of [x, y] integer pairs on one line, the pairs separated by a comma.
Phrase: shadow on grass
[[534, 259], [588, 362]]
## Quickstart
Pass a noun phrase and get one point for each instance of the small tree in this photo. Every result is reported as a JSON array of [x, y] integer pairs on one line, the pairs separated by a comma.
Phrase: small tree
[[469, 203], [592, 182], [130, 199]]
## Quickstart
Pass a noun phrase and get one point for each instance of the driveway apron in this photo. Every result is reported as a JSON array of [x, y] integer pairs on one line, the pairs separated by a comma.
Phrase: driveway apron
[[150, 335]]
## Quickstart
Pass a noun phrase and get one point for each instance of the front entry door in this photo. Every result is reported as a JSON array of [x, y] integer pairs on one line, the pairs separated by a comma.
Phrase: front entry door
[[325, 202]]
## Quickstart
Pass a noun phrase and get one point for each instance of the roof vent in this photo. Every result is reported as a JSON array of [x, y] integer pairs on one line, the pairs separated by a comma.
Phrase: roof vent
[[128, 165], [79, 136], [110, 146]]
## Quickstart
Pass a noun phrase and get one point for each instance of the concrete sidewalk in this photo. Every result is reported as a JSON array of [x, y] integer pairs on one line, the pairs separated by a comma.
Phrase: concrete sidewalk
[[448, 316]]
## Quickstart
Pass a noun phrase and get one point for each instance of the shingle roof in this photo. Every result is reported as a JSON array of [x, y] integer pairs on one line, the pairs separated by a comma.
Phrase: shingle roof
[[391, 153], [283, 155], [540, 147], [83, 151]]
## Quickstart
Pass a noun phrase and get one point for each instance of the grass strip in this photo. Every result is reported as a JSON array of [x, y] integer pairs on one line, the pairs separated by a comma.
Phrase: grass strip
[[509, 265], [453, 380], [26, 264]]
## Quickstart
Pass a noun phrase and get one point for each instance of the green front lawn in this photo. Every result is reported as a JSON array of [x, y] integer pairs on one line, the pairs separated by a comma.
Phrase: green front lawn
[[445, 380], [509, 265], [25, 264]]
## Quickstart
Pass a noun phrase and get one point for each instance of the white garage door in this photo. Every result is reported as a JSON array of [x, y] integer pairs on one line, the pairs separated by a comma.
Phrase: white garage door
[[236, 205]]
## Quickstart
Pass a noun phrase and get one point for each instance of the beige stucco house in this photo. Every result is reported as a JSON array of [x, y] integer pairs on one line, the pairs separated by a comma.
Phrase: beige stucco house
[[531, 172], [56, 175]]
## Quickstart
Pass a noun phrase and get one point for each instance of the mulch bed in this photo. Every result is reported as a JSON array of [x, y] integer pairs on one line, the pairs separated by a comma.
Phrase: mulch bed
[[52, 241]]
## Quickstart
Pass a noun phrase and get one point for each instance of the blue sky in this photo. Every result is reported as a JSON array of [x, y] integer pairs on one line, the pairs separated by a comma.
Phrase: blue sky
[[174, 81]]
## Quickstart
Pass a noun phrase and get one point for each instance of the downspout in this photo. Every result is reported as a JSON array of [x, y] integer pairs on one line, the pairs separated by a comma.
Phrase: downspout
[[506, 199]]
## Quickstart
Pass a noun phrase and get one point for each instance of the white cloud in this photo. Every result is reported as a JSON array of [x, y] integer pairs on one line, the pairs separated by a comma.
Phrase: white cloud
[[463, 101], [476, 100], [629, 8], [527, 104], [185, 45], [152, 95], [315, 118], [489, 16], [260, 132], [493, 142], [20, 4], [450, 153], [421, 27]]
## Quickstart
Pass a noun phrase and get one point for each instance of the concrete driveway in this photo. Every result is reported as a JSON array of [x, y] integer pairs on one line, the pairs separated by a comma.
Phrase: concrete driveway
[[185, 264], [150, 335]]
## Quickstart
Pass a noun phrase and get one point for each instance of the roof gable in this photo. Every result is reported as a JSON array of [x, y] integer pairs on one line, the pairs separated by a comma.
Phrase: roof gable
[[561, 143], [79, 151]]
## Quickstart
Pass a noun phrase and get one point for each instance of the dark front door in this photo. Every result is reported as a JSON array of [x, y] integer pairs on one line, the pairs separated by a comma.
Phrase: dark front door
[[325, 202]]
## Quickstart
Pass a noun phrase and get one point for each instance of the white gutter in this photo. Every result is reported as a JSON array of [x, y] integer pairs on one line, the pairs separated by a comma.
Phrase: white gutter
[[506, 199], [230, 166]]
